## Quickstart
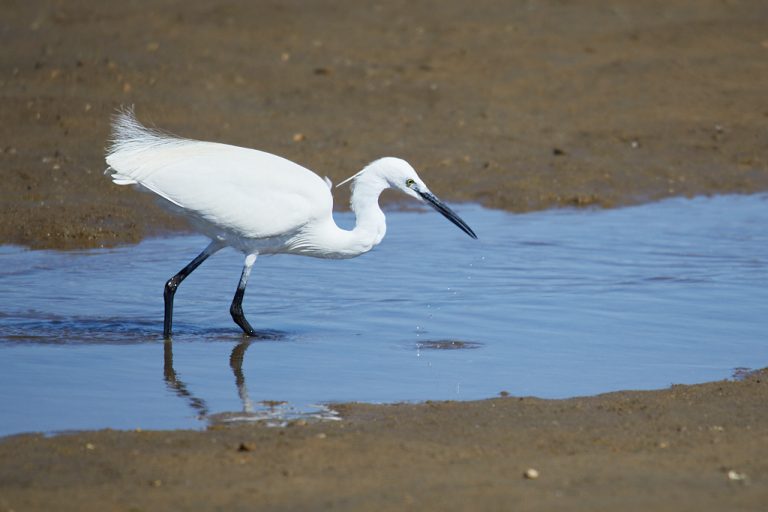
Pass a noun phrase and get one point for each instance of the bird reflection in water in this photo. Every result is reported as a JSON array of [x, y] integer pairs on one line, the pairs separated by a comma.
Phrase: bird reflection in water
[[236, 363], [198, 404], [179, 387], [272, 412]]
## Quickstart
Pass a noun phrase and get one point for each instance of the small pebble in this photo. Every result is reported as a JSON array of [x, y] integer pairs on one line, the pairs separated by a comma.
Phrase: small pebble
[[89, 446], [298, 137], [736, 476], [531, 474], [246, 447], [321, 435]]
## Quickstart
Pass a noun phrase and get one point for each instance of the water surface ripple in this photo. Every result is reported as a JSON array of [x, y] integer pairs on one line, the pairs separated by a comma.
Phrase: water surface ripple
[[552, 304]]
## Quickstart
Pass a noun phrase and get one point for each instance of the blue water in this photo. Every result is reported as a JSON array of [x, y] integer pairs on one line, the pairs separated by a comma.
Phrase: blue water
[[552, 304]]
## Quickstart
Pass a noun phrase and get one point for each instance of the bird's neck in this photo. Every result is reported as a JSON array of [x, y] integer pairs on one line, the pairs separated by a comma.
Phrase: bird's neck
[[330, 241], [370, 223]]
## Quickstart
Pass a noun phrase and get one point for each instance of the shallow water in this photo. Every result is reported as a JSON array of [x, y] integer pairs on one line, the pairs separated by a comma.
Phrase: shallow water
[[552, 304]]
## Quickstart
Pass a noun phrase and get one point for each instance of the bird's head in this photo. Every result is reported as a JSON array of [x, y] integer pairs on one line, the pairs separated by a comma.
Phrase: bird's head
[[398, 174]]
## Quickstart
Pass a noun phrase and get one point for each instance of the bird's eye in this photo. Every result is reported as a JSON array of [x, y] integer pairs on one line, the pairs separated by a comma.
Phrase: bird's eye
[[409, 183]]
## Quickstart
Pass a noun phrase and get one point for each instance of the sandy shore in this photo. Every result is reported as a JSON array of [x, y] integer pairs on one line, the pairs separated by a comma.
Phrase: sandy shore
[[700, 447], [517, 105]]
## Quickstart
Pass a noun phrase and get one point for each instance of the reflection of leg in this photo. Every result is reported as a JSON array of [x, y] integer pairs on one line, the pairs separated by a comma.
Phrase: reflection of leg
[[174, 282], [236, 363], [236, 309], [177, 386], [168, 372]]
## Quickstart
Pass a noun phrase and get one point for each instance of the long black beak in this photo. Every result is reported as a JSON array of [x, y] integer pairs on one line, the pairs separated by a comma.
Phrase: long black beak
[[447, 212]]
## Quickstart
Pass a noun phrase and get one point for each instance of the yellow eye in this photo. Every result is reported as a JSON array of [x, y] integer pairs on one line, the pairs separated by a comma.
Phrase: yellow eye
[[409, 183]]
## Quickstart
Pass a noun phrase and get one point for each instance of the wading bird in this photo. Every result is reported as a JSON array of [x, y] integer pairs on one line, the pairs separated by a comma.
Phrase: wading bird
[[255, 202]]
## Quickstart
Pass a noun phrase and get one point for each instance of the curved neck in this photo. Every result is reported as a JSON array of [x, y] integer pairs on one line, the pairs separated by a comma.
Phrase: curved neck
[[330, 241], [370, 222]]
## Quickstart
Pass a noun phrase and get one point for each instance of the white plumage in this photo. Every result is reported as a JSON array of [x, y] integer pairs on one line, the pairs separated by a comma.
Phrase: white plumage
[[230, 192], [254, 201]]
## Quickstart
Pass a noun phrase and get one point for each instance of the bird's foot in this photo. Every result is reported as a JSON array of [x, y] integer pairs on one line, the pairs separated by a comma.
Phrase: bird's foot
[[239, 318]]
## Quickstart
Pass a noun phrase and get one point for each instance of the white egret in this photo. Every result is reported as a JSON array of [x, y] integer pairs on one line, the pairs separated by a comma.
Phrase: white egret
[[255, 202]]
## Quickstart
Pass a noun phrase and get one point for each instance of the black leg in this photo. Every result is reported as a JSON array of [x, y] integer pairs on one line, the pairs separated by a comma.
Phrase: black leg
[[175, 281], [236, 309]]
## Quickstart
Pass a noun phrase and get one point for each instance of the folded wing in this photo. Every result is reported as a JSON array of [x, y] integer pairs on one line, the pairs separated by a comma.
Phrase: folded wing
[[250, 192]]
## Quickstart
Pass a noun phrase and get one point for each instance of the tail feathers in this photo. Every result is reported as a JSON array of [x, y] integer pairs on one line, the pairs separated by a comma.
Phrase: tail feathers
[[130, 145], [129, 135], [119, 179]]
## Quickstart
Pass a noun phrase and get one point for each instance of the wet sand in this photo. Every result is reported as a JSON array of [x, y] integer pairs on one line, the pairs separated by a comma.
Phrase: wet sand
[[700, 447], [516, 105]]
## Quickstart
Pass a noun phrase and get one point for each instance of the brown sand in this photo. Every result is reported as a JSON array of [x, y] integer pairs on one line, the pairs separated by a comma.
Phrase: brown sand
[[702, 447], [515, 104], [518, 105]]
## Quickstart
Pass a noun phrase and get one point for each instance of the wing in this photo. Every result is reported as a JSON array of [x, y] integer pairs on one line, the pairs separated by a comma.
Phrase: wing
[[253, 193]]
